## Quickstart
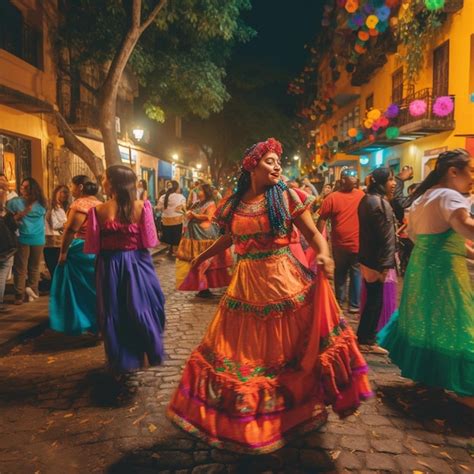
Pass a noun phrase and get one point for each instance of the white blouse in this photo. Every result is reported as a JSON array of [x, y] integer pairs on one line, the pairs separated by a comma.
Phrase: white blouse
[[431, 212], [176, 205]]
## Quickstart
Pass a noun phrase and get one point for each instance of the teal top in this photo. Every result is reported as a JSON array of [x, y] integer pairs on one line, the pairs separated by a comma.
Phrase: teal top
[[31, 227]]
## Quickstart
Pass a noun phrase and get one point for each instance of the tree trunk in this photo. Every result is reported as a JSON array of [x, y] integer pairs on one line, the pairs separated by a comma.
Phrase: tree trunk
[[77, 147], [110, 87]]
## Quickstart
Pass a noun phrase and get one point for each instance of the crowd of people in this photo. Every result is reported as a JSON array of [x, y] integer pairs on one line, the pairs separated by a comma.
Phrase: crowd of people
[[279, 349]]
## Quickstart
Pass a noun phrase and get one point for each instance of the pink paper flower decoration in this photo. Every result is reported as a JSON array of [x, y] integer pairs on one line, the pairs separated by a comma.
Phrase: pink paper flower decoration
[[418, 108], [443, 106]]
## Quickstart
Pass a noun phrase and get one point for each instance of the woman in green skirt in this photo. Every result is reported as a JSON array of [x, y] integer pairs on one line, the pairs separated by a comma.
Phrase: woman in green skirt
[[431, 336]]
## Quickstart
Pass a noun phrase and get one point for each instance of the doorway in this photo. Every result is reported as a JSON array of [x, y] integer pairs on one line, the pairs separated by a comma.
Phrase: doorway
[[148, 174], [15, 159]]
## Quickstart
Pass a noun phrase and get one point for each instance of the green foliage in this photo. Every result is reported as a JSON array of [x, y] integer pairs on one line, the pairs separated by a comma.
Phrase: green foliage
[[180, 59], [417, 27], [251, 115]]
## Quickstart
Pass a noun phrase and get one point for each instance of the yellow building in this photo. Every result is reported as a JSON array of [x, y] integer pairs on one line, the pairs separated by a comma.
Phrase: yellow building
[[31, 88], [448, 71], [27, 89]]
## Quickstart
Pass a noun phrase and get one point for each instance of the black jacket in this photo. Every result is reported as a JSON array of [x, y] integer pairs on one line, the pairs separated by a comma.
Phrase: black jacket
[[377, 239], [8, 239], [399, 201]]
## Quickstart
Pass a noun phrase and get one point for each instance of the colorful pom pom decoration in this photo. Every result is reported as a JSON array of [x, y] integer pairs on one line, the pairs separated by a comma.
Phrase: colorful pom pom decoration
[[371, 21], [374, 114], [368, 123], [351, 6], [363, 35], [392, 133], [433, 5], [392, 111], [352, 132], [443, 106], [417, 108], [359, 136], [383, 13]]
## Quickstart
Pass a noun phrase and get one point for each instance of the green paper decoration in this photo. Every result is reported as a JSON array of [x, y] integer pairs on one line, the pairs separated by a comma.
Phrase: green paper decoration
[[433, 5], [392, 133]]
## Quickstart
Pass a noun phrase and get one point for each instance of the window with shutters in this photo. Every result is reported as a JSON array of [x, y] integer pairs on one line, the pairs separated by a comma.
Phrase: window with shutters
[[441, 70], [397, 86]]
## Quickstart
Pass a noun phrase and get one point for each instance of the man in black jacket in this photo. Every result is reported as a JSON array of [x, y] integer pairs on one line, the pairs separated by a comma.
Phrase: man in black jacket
[[399, 201]]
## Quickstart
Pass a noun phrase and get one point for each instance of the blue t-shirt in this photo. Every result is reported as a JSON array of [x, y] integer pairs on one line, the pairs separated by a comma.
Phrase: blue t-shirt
[[31, 227]]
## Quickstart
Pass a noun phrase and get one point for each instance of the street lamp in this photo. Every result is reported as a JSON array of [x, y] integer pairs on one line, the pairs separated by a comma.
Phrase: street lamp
[[138, 133], [296, 157], [175, 156]]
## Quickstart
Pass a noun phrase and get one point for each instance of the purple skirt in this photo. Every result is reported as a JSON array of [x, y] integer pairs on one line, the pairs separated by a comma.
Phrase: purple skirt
[[389, 304], [130, 309]]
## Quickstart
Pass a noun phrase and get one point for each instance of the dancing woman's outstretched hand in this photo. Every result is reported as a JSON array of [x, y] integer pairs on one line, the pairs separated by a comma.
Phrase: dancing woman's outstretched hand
[[328, 265]]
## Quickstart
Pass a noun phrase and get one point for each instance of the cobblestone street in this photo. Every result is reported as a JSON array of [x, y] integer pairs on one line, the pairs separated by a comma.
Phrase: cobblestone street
[[61, 413]]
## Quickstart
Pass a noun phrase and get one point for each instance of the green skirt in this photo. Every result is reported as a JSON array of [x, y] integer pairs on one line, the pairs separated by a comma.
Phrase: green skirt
[[431, 336]]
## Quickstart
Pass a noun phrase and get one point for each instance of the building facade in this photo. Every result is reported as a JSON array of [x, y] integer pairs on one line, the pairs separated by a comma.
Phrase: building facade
[[33, 84], [447, 71]]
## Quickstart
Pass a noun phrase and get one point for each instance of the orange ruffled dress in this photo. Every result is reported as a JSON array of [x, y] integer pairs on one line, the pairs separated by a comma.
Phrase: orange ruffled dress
[[277, 351]]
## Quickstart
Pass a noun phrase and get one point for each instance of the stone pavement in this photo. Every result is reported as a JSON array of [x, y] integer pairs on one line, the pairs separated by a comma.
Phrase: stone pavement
[[60, 413]]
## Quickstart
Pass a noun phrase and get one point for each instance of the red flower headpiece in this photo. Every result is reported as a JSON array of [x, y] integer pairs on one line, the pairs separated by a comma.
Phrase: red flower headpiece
[[257, 151]]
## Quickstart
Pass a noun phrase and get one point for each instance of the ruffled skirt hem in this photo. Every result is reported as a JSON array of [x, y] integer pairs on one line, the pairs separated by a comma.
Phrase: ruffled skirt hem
[[452, 370]]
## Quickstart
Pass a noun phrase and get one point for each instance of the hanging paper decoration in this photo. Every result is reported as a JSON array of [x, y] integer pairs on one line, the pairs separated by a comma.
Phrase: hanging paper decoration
[[368, 123], [359, 136], [371, 21], [382, 26], [417, 108], [392, 133], [358, 19], [383, 122], [443, 106], [374, 114], [352, 132], [351, 6], [363, 35], [434, 4], [392, 111], [383, 13]]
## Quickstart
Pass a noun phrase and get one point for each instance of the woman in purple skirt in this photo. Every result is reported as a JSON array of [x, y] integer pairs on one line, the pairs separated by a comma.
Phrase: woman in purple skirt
[[130, 303]]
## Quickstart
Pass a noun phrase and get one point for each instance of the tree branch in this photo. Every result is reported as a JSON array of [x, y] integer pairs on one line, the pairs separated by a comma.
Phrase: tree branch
[[78, 148], [152, 15]]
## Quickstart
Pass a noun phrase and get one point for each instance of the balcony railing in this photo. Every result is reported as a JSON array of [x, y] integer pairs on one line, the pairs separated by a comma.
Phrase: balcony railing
[[411, 128], [428, 119]]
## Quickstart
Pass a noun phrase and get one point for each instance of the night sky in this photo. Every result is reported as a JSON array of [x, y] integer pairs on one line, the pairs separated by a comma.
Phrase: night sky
[[283, 28]]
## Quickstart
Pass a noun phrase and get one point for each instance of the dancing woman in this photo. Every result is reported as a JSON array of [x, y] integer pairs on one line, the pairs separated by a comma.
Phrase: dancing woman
[[277, 350], [72, 297], [130, 303], [199, 234], [431, 336]]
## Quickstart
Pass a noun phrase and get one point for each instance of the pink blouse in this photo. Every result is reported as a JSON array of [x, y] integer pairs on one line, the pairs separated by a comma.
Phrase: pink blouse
[[114, 235]]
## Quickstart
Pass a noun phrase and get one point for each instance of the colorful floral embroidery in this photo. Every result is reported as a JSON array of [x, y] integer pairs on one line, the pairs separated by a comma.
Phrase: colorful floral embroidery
[[244, 372], [269, 253], [262, 311], [337, 331]]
